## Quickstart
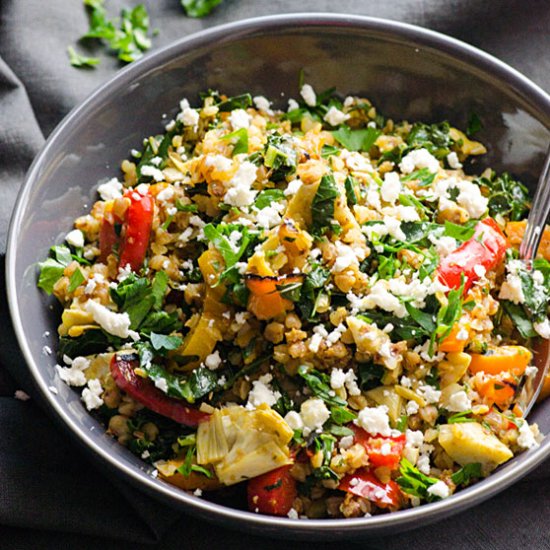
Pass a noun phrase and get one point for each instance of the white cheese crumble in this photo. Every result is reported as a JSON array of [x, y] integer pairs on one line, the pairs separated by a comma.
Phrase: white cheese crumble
[[459, 402], [262, 392], [166, 194], [213, 361], [429, 393], [346, 256], [294, 420], [374, 420], [292, 514], [117, 324], [240, 192], [153, 172], [511, 288], [308, 95], [391, 187], [91, 395], [270, 216], [292, 105], [412, 408], [189, 117], [439, 489], [469, 196], [543, 328], [346, 442], [314, 414], [74, 375], [262, 104], [452, 159], [239, 118], [526, 438], [335, 117], [292, 187], [443, 245], [75, 238], [218, 162], [110, 190], [419, 158]]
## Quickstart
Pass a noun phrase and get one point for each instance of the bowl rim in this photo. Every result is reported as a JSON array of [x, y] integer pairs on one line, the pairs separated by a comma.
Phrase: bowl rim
[[229, 32]]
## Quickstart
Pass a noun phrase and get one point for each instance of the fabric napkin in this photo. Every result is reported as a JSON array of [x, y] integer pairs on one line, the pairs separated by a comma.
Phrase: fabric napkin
[[51, 494]]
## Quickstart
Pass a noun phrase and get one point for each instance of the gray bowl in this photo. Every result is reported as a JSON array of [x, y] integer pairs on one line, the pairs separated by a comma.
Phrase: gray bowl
[[406, 71]]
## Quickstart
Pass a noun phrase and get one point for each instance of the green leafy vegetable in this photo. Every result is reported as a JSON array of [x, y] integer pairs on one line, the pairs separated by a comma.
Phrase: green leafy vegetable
[[322, 206], [474, 125], [413, 482], [356, 140], [318, 383], [163, 342], [75, 280], [186, 207], [342, 415], [460, 232], [242, 101], [51, 270], [91, 341], [199, 8], [467, 473], [239, 140], [230, 252], [81, 61], [325, 443], [433, 137], [351, 190], [312, 287], [460, 418], [424, 177], [370, 375], [507, 196], [268, 196]]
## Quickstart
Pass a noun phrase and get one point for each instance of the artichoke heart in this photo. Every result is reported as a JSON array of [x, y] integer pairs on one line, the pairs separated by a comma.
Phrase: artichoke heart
[[242, 443]]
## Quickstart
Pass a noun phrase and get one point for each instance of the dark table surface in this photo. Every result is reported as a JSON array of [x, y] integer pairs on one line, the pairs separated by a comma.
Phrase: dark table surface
[[51, 495]]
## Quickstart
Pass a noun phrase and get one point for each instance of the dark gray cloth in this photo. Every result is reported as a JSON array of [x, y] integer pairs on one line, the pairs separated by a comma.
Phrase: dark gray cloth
[[52, 495]]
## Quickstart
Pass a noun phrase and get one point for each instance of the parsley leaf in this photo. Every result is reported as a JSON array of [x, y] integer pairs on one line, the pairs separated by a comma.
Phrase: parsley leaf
[[199, 8], [267, 196], [433, 137], [466, 473], [163, 342], [75, 280], [413, 482], [474, 125], [318, 383], [230, 252], [239, 140], [81, 61], [51, 270], [322, 206], [356, 140], [460, 232]]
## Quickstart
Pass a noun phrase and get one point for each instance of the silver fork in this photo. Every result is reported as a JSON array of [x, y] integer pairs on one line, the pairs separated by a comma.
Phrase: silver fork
[[534, 229]]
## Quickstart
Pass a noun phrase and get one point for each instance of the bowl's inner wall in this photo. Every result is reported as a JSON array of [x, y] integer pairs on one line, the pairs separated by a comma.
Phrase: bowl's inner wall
[[403, 78]]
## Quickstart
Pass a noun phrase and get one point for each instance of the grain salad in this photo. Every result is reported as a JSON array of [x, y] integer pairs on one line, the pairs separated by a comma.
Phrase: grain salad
[[320, 303]]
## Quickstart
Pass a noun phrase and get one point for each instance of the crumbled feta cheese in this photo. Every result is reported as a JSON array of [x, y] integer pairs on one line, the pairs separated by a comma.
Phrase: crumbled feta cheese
[[439, 489], [218, 162], [346, 256], [335, 117], [419, 158], [153, 172], [459, 402], [166, 194], [270, 216], [412, 408], [239, 118], [543, 328], [346, 442], [294, 420], [444, 245], [512, 290], [356, 162], [262, 104], [189, 117], [213, 361], [405, 382], [161, 384], [91, 395], [452, 159], [75, 238], [314, 414], [374, 420], [391, 187], [526, 438], [308, 95], [240, 192], [423, 463], [292, 105], [337, 379], [21, 395], [117, 324], [197, 492], [155, 161], [262, 392], [292, 187], [110, 190], [292, 514], [429, 393], [74, 375]]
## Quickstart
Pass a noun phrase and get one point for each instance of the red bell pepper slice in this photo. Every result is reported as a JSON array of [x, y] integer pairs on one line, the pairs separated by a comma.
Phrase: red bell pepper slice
[[381, 450], [143, 390], [136, 231], [486, 248], [272, 493], [364, 483]]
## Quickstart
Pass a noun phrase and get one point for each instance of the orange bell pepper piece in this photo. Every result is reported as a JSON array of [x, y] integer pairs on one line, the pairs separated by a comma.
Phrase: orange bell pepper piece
[[265, 300], [451, 343], [512, 359]]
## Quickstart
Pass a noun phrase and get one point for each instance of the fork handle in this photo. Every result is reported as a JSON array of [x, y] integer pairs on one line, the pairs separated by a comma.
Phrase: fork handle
[[537, 217]]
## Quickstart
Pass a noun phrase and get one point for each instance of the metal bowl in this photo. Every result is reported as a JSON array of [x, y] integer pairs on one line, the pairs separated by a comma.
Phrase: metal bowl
[[406, 71]]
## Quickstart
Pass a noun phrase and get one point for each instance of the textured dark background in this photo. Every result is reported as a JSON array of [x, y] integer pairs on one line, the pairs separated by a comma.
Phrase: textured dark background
[[51, 496]]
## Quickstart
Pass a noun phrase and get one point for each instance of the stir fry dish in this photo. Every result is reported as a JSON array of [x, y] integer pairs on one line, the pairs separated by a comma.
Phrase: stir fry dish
[[318, 305]]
